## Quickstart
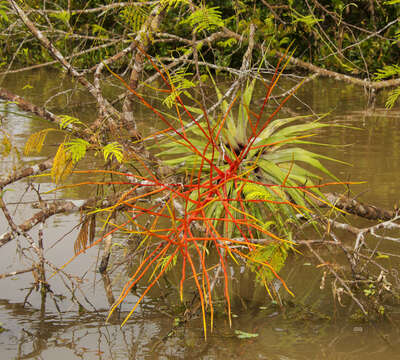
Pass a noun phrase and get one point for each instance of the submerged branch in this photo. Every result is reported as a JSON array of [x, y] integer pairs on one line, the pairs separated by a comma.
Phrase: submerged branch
[[26, 172]]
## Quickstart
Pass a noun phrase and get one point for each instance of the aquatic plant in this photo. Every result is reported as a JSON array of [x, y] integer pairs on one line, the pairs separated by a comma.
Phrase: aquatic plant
[[237, 189]]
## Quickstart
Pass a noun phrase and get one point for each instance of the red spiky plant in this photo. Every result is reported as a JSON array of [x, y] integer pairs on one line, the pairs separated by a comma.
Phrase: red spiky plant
[[213, 208]]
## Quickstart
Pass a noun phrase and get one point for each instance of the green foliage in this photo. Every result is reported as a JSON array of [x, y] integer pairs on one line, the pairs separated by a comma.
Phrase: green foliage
[[134, 16], [274, 254], [392, 97], [387, 72], [111, 150], [205, 19], [77, 148], [180, 83], [97, 29], [275, 158], [63, 16], [66, 121], [391, 2], [245, 335], [3, 11], [173, 3], [308, 20], [289, 21]]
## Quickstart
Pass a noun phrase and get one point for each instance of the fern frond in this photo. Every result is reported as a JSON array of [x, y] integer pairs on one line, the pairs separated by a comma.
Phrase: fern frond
[[308, 20], [387, 71], [62, 165], [393, 96], [391, 2], [67, 121], [77, 148], [206, 19], [64, 16], [135, 16], [273, 254], [113, 149], [179, 84], [35, 141], [173, 3]]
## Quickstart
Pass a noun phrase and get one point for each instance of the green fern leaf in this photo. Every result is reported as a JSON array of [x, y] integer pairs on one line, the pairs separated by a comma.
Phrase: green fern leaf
[[113, 149], [206, 19], [3, 11], [135, 16], [180, 83], [67, 121], [77, 148], [274, 255], [393, 96], [64, 16], [387, 71], [173, 3]]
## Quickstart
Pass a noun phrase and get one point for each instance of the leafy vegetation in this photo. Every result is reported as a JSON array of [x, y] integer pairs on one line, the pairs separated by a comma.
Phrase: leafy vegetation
[[239, 188], [327, 34]]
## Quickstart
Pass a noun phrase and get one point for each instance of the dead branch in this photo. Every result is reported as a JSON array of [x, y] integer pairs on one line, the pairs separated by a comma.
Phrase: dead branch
[[13, 273], [106, 108], [352, 206], [28, 106], [26, 172], [339, 278], [143, 38], [376, 85]]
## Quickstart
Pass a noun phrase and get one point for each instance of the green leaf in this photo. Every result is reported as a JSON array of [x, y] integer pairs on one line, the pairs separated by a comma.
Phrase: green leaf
[[245, 335], [393, 96], [387, 71], [205, 19], [64, 16], [77, 148], [67, 121], [3, 11], [113, 149]]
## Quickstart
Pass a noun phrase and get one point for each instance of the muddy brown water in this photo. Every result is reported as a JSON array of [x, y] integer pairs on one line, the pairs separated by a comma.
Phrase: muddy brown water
[[308, 327]]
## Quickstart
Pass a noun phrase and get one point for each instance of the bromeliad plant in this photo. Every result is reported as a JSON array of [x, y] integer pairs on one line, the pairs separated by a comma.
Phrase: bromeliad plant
[[241, 186]]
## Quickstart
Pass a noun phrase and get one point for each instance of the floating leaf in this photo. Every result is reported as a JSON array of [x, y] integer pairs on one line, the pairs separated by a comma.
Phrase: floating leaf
[[245, 335]]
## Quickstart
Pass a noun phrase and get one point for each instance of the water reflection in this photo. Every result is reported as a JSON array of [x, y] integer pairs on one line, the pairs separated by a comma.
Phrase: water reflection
[[148, 336]]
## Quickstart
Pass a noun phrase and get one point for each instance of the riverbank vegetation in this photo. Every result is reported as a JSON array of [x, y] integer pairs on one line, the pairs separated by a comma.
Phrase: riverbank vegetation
[[226, 181]]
